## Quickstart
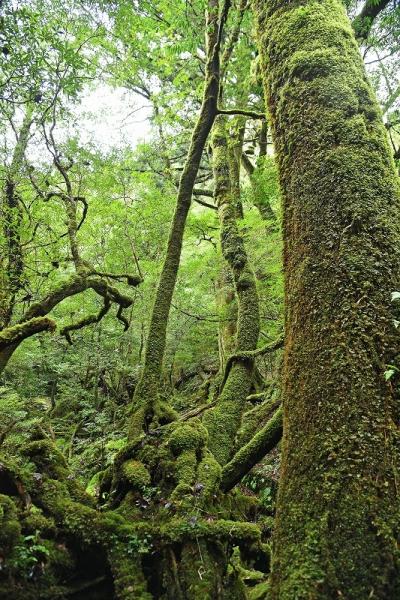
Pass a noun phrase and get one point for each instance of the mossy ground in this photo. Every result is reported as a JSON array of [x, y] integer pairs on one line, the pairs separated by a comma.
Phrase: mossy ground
[[162, 528]]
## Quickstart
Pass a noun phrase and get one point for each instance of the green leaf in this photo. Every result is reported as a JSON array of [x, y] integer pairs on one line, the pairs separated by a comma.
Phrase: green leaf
[[389, 374]]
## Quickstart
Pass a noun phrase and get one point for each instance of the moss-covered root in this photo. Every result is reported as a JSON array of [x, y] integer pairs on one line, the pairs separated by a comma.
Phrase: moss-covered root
[[129, 580], [202, 568], [338, 507], [224, 421]]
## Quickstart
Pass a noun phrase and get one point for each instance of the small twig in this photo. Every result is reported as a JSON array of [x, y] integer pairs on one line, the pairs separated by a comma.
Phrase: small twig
[[196, 411]]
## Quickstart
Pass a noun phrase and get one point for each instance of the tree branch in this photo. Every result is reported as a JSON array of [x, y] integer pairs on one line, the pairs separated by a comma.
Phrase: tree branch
[[250, 355], [239, 111], [254, 451], [89, 320], [363, 22], [208, 193], [21, 331], [206, 204]]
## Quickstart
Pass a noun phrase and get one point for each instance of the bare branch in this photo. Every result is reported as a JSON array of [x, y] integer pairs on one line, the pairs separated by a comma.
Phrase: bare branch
[[239, 111]]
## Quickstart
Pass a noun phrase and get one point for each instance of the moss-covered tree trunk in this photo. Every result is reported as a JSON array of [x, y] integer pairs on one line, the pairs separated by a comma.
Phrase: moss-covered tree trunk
[[145, 405], [337, 524], [224, 421], [226, 297], [227, 310], [11, 217]]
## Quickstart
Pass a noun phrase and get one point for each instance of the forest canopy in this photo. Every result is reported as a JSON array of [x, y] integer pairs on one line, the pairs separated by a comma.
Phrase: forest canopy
[[199, 299]]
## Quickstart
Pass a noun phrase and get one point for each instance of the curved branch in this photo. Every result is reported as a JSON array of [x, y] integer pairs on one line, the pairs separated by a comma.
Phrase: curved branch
[[250, 355], [89, 320]]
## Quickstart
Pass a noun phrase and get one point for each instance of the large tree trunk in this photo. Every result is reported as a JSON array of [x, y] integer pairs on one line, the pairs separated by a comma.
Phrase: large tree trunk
[[338, 508]]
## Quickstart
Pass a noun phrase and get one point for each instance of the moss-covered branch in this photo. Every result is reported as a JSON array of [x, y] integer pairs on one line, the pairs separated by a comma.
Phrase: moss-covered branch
[[250, 355], [15, 334], [251, 114], [249, 455], [38, 310], [89, 320]]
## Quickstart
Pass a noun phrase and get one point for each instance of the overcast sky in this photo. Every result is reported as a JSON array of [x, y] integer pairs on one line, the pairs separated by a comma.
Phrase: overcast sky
[[112, 117]]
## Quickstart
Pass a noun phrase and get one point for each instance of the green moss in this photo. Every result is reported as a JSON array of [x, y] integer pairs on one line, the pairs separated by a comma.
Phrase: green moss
[[60, 559], [36, 521], [93, 487], [163, 413], [136, 474], [209, 475], [129, 581], [47, 458], [259, 591], [187, 436], [10, 528]]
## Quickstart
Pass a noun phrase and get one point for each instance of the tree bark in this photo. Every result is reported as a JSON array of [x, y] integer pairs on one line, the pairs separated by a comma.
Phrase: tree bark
[[11, 223], [338, 509]]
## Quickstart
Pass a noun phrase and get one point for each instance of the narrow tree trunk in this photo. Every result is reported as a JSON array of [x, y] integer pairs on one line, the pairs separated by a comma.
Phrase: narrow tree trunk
[[224, 421], [11, 223], [227, 310], [338, 508], [145, 403]]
